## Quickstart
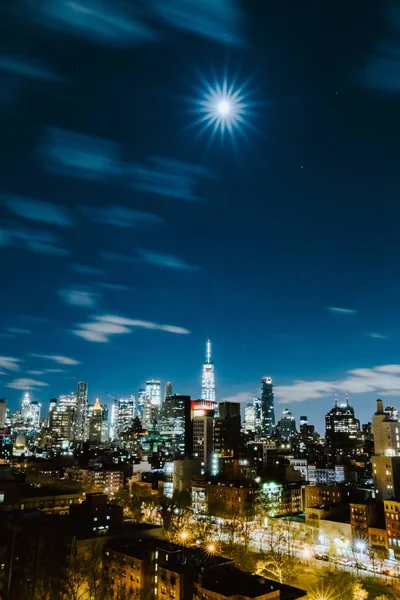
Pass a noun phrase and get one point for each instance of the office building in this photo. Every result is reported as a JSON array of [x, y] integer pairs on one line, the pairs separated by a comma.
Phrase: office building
[[249, 424], [267, 407], [342, 428], [62, 418], [386, 459], [141, 399], [227, 430], [202, 417], [52, 407], [68, 400], [168, 389], [124, 413], [386, 431], [286, 428], [152, 404], [34, 418], [208, 378], [26, 408], [80, 425], [174, 422], [95, 423], [3, 409]]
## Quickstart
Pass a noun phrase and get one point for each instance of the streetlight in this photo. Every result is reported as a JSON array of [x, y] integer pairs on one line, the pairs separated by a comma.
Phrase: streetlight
[[211, 548]]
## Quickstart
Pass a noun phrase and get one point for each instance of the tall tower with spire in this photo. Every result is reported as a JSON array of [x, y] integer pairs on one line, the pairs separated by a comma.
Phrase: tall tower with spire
[[208, 377]]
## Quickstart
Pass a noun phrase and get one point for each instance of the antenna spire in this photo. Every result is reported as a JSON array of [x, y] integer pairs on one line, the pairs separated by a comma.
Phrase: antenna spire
[[208, 352]]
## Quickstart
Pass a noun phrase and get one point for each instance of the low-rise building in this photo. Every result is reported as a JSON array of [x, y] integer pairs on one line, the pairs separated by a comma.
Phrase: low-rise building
[[392, 521], [230, 500], [315, 495]]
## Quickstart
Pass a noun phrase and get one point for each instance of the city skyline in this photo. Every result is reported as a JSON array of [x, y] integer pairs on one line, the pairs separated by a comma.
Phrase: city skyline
[[244, 190]]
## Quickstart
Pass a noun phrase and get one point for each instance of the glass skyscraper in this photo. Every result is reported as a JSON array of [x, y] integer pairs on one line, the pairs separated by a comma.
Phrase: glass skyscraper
[[267, 407], [208, 378]]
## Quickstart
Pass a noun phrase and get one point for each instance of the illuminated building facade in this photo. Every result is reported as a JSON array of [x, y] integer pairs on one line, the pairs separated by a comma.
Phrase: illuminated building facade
[[26, 408], [342, 428], [3, 408], [286, 428], [34, 416], [174, 422], [95, 423], [152, 404], [202, 418], [69, 400], [208, 378], [81, 411], [267, 407], [141, 399], [249, 424], [386, 431]]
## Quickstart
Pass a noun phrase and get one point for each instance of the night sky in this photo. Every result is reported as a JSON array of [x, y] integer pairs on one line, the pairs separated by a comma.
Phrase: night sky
[[130, 232]]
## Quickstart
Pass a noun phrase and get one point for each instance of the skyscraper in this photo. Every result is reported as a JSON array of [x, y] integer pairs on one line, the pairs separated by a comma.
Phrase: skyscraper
[[208, 378], [141, 398], [34, 419], [267, 407], [168, 389], [286, 428], [152, 404], [26, 407], [174, 422], [69, 400], [81, 411], [249, 418], [342, 428], [3, 407], [386, 459], [95, 424], [125, 414]]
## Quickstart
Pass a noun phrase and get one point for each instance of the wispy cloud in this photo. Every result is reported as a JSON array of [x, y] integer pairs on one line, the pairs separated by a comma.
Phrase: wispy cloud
[[18, 330], [28, 68], [41, 242], [83, 298], [215, 19], [26, 383], [35, 372], [383, 380], [9, 363], [116, 287], [120, 216], [377, 336], [342, 311], [62, 360], [110, 22], [242, 397], [87, 270], [165, 177], [382, 72], [100, 329], [37, 210], [168, 261], [79, 155]]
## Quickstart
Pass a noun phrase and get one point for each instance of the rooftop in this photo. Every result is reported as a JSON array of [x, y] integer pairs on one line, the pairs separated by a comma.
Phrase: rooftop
[[230, 581]]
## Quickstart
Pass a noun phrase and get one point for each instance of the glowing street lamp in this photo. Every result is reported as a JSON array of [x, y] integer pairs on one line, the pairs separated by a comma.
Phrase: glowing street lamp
[[211, 548], [361, 546], [184, 536]]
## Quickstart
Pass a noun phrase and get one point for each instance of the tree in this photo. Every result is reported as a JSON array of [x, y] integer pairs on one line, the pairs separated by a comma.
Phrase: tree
[[279, 559], [359, 592]]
